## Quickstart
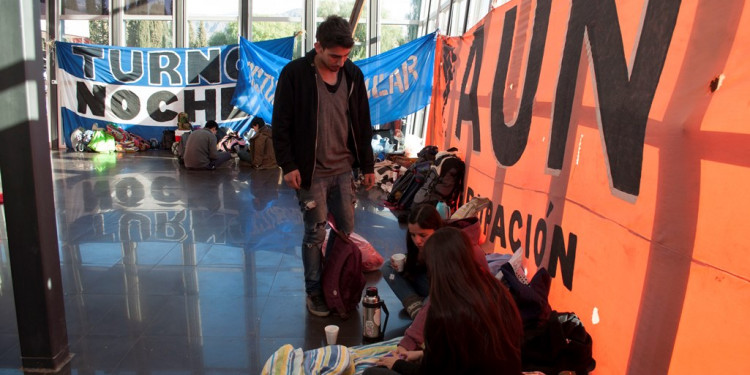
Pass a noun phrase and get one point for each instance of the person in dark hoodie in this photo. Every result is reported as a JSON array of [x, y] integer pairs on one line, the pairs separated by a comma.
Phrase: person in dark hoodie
[[322, 132]]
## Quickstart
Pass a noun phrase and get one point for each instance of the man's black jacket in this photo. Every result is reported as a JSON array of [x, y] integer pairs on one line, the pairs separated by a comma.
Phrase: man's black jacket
[[295, 118]]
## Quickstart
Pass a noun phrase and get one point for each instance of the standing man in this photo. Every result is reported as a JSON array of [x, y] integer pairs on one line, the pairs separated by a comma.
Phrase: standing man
[[322, 131], [200, 149]]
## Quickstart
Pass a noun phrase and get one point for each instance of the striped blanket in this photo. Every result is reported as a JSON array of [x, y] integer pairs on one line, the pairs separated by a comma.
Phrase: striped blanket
[[328, 360]]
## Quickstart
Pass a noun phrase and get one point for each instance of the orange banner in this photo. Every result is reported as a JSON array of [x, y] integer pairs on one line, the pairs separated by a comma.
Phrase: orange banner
[[612, 139]]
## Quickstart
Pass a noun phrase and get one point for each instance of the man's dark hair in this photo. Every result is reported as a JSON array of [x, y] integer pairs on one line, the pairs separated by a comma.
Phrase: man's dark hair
[[334, 32], [211, 124], [257, 121]]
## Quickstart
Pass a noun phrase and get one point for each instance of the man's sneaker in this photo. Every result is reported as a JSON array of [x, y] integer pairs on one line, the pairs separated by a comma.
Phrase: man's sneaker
[[316, 305]]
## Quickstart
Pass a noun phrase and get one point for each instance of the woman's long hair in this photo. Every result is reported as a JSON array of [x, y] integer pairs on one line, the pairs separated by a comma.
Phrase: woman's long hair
[[427, 217], [473, 323]]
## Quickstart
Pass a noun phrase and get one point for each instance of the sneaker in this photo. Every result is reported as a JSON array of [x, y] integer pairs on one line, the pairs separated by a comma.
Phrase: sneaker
[[413, 309], [316, 305]]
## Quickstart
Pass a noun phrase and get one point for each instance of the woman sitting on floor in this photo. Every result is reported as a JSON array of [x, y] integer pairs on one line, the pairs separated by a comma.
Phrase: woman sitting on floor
[[411, 286], [473, 325]]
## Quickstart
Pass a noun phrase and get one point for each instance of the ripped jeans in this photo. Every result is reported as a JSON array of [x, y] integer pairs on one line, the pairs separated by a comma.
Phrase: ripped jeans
[[334, 194]]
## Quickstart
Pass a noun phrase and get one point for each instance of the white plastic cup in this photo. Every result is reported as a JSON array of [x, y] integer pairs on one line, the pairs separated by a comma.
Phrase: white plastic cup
[[332, 332], [397, 261]]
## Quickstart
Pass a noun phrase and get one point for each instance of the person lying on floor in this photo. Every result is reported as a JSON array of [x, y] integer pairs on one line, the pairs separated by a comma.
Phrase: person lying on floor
[[411, 286], [472, 326]]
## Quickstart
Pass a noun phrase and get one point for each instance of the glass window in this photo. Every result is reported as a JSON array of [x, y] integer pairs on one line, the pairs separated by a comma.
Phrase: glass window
[[148, 7], [274, 30], [399, 10], [212, 23], [434, 6], [478, 10], [443, 20], [497, 3], [148, 33], [89, 7], [286, 8], [344, 10], [431, 25], [341, 8], [85, 31], [212, 33], [392, 36], [359, 51], [207, 9], [457, 17]]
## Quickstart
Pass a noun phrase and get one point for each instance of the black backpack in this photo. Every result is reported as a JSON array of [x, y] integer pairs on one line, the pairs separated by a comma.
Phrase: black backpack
[[406, 186], [559, 344], [167, 139], [445, 181], [427, 153]]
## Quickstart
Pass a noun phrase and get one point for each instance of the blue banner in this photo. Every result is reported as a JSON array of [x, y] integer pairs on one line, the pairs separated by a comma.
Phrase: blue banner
[[399, 82], [143, 89], [259, 72], [282, 47]]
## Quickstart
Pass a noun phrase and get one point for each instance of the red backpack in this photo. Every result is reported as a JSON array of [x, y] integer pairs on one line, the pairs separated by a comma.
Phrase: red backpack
[[342, 278]]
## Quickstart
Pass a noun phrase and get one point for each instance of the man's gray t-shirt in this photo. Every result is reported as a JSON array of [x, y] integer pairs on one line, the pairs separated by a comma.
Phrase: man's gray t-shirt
[[332, 155]]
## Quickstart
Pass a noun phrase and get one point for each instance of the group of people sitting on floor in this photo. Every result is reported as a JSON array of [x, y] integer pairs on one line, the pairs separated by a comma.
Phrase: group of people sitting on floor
[[199, 150], [465, 320]]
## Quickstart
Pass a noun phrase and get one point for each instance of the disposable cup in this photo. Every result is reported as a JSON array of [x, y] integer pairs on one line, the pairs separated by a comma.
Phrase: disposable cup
[[332, 332], [397, 261]]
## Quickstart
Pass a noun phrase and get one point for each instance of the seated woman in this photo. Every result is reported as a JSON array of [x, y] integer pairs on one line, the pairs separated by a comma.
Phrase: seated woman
[[473, 325], [411, 285]]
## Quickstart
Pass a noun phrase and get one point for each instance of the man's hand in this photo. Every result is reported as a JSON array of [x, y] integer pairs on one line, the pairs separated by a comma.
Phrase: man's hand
[[294, 180], [369, 181]]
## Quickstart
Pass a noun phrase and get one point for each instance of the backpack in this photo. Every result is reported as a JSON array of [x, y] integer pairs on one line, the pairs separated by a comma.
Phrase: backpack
[[427, 153], [229, 141], [342, 277], [560, 344], [407, 185], [371, 259], [167, 139], [76, 140], [471, 208], [444, 182]]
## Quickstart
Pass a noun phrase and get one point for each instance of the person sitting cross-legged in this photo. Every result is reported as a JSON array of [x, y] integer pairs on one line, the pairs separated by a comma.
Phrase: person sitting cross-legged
[[259, 152], [200, 149]]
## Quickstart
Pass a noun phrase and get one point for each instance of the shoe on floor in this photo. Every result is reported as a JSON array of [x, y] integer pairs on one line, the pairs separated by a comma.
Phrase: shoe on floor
[[316, 305]]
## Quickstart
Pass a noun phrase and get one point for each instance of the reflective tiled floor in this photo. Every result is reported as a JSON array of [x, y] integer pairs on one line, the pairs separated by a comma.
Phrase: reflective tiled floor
[[168, 271]]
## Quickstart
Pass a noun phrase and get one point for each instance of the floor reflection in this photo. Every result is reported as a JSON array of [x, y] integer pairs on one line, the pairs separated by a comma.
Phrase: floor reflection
[[174, 271]]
